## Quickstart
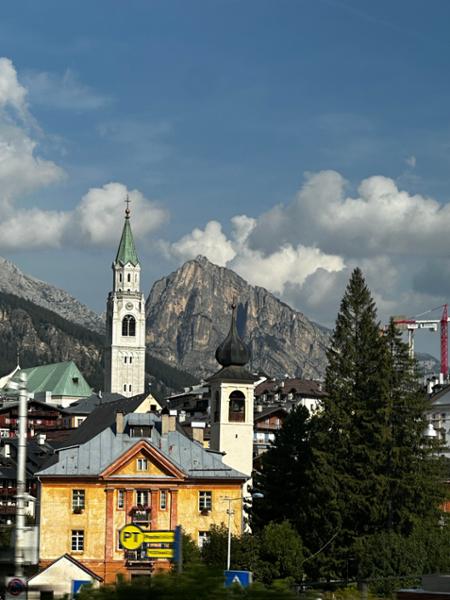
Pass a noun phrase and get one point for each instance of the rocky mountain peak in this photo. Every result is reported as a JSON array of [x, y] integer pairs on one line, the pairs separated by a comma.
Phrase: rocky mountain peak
[[188, 316], [14, 281]]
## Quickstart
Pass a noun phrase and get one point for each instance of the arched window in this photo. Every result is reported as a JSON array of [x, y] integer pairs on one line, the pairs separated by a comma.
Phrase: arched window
[[129, 325], [236, 407]]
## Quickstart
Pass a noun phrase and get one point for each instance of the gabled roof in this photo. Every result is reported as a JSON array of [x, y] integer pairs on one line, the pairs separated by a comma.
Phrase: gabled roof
[[304, 387], [442, 397], [270, 410], [92, 458], [85, 406], [73, 561], [44, 406], [104, 416], [127, 250], [61, 379]]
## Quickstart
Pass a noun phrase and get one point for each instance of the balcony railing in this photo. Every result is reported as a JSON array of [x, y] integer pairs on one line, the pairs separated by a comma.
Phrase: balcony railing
[[137, 558]]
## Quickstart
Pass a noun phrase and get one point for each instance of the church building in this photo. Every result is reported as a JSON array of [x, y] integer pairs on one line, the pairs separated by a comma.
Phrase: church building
[[125, 321]]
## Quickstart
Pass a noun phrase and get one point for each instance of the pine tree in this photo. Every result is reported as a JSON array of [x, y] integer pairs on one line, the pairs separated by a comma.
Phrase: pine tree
[[282, 473], [360, 470], [370, 433], [415, 473]]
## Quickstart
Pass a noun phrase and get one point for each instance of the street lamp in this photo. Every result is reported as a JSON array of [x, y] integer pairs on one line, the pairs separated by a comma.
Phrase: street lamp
[[19, 547], [230, 512]]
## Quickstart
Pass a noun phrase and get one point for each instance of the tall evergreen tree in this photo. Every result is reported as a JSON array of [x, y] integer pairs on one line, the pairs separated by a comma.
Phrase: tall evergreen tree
[[360, 467]]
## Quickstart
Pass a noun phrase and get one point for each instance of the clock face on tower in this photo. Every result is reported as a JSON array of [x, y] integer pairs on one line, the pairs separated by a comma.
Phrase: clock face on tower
[[129, 305]]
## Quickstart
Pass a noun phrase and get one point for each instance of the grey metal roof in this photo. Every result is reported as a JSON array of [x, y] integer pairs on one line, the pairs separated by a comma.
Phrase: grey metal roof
[[103, 416], [141, 419], [96, 454], [85, 406], [441, 397]]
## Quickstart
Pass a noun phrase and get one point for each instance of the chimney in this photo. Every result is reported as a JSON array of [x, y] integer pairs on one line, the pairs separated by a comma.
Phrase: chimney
[[198, 431], [259, 408], [168, 420], [7, 450], [172, 419], [120, 421], [40, 438]]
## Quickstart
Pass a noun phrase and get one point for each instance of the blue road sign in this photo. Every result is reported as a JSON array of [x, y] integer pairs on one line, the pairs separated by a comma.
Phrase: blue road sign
[[242, 578], [77, 584]]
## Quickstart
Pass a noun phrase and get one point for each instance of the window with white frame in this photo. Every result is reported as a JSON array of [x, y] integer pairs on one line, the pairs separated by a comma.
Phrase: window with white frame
[[142, 497], [204, 500], [202, 537], [142, 464], [163, 499], [77, 540], [120, 499], [78, 500]]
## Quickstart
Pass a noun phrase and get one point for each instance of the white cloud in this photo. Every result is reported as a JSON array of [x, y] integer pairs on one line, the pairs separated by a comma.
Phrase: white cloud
[[63, 91], [210, 242], [304, 251], [21, 169], [33, 229], [287, 265], [273, 271], [411, 161], [100, 213], [12, 93], [381, 219]]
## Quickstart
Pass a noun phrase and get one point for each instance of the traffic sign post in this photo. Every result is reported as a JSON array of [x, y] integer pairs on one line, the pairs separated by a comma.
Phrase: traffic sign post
[[164, 544], [16, 588], [241, 578]]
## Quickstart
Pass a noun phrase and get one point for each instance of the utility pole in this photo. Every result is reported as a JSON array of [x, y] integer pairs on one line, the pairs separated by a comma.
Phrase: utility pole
[[19, 549]]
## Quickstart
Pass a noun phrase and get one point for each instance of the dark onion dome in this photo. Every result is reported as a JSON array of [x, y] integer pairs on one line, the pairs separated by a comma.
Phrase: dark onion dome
[[232, 351]]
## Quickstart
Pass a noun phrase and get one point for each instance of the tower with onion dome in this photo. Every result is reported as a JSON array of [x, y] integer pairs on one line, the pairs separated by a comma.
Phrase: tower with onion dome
[[232, 399], [125, 321]]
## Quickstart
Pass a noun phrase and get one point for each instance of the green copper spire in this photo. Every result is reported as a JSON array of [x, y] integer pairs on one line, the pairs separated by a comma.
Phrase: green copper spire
[[127, 250]]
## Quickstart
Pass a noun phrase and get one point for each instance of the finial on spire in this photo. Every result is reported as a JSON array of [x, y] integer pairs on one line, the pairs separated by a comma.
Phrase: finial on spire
[[127, 210]]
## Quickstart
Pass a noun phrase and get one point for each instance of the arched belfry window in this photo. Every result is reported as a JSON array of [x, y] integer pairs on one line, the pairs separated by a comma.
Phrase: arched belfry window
[[236, 407], [129, 325]]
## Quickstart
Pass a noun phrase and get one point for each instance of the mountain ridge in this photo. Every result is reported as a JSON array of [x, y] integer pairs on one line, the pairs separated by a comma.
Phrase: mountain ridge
[[16, 282], [189, 310]]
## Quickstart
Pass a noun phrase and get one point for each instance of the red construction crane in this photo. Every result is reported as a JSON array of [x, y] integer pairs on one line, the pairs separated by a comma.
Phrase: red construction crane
[[414, 323]]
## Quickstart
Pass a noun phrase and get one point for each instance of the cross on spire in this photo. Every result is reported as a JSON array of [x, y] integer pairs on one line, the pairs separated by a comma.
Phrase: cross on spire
[[127, 210]]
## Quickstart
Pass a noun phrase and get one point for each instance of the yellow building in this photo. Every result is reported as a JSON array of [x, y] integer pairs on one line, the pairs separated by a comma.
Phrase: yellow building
[[130, 468]]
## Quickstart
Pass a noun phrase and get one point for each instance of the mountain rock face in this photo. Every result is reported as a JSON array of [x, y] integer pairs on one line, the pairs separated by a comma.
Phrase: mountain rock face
[[13, 281], [188, 316], [36, 336]]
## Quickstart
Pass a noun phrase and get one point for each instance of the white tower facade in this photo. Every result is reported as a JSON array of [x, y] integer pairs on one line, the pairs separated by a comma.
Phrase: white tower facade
[[125, 321], [232, 400]]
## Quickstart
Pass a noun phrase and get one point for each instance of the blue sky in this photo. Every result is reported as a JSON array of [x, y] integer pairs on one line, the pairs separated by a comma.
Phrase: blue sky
[[289, 140]]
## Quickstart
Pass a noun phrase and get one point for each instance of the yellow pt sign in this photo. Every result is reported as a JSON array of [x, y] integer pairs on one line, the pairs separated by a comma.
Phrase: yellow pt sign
[[132, 537]]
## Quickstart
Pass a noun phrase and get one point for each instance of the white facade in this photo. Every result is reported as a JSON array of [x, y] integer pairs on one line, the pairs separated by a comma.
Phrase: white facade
[[232, 430], [125, 330]]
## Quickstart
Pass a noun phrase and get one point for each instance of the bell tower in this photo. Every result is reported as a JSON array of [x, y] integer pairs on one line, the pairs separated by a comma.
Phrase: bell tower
[[125, 321], [232, 399]]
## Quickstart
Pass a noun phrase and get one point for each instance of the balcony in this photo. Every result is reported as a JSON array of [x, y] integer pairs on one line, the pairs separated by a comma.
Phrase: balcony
[[140, 513], [7, 509], [137, 559]]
